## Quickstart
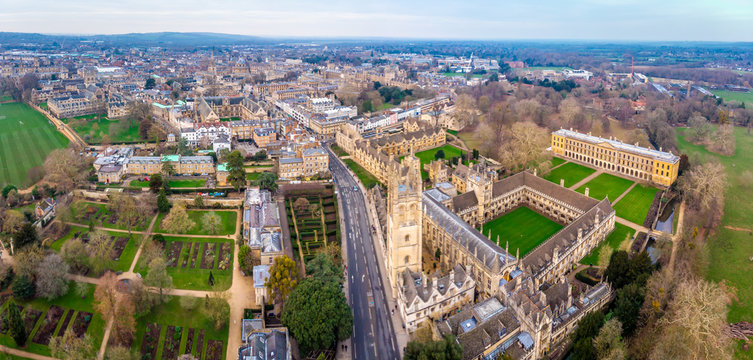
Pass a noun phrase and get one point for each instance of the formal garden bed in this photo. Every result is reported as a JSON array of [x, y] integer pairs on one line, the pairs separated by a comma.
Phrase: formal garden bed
[[313, 223], [190, 260]]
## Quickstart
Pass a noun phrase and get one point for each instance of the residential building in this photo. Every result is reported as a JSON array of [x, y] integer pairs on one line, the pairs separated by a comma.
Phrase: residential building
[[309, 162]]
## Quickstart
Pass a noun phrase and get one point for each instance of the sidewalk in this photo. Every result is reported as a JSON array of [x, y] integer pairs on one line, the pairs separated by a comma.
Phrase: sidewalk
[[342, 354]]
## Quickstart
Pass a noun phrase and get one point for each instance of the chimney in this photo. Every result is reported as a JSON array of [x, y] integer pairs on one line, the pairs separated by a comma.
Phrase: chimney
[[586, 191]]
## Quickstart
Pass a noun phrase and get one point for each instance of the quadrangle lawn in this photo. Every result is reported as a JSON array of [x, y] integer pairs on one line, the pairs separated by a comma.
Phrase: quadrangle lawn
[[27, 137], [571, 172], [228, 219], [634, 206], [613, 240], [523, 228], [556, 161], [605, 185]]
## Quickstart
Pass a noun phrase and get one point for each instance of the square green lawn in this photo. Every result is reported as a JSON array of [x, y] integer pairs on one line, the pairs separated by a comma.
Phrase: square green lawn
[[171, 313], [367, 178], [427, 156], [523, 228], [71, 303], [126, 257], [606, 185], [196, 278], [101, 217], [557, 161], [228, 218], [613, 240], [571, 172], [252, 176], [634, 205]]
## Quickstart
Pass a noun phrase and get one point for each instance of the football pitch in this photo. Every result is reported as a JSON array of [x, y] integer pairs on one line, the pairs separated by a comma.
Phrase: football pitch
[[25, 140], [523, 228]]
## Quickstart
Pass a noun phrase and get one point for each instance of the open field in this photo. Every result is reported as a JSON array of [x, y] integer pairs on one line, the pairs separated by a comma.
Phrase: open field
[[606, 185], [571, 172], [190, 260], [366, 177], [92, 130], [523, 228], [613, 241], [635, 205], [166, 332], [25, 140], [729, 250], [743, 97], [47, 319], [227, 217]]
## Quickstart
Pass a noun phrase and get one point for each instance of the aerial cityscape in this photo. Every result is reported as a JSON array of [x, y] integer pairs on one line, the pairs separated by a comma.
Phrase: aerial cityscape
[[344, 180]]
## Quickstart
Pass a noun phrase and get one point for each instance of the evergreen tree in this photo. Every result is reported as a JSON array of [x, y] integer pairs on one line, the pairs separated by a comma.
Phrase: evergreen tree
[[15, 324], [26, 235], [211, 279], [163, 205], [236, 172]]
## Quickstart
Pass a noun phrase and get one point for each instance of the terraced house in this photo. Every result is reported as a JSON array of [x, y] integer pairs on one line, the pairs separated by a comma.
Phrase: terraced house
[[648, 165]]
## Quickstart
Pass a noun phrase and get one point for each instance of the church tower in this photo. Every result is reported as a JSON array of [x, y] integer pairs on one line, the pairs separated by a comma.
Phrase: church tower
[[404, 220]]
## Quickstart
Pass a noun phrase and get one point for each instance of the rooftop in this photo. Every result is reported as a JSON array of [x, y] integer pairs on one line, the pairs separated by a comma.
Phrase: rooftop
[[619, 145]]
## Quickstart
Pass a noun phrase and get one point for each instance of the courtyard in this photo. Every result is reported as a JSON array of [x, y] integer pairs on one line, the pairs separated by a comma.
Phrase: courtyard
[[524, 228], [635, 204], [572, 173], [606, 185]]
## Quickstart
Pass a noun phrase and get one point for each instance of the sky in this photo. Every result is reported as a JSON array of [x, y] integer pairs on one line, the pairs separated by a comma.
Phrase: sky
[[621, 20]]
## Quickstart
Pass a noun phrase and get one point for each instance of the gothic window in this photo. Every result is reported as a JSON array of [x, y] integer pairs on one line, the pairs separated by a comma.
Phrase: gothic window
[[407, 238], [407, 260]]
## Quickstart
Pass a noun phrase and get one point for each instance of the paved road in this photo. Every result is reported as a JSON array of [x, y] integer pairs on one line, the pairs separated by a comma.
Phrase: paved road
[[373, 332]]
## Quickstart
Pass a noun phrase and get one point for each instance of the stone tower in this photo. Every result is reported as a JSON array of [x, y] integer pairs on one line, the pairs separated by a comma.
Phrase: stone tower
[[480, 182], [404, 220]]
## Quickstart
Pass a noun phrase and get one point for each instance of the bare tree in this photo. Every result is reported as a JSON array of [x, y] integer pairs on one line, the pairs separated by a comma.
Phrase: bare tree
[[51, 281], [157, 277], [99, 251], [700, 127], [525, 144], [724, 140], [66, 169], [704, 185], [110, 302], [71, 347]]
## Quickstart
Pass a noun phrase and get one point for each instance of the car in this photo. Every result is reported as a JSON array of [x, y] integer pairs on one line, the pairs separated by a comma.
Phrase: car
[[355, 188]]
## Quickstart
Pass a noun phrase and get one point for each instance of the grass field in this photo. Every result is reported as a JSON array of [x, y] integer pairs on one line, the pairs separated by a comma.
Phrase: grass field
[[605, 185], [634, 206], [427, 156], [571, 172], [93, 134], [366, 177], [196, 278], [174, 183], [25, 140], [523, 227], [227, 228], [613, 241], [252, 176], [742, 97], [729, 250], [557, 161]]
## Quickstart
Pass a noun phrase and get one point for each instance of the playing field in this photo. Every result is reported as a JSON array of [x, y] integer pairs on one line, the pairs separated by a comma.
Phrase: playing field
[[613, 241], [605, 185], [25, 140], [742, 97], [634, 206], [571, 172], [523, 228]]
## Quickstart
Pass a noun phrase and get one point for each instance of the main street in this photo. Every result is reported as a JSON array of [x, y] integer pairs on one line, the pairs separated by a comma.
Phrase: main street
[[373, 332]]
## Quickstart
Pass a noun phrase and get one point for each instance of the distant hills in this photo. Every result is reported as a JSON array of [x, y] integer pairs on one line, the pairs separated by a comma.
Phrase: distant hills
[[165, 39]]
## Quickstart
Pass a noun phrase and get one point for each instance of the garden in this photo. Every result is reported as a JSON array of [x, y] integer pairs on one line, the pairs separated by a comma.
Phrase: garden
[[86, 212], [118, 248], [524, 228], [93, 128], [313, 222], [226, 227]]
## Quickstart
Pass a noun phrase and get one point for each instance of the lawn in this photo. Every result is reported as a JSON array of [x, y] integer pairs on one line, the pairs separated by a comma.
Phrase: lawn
[[227, 228], [84, 212], [366, 177], [606, 185], [192, 260], [613, 241], [742, 97], [634, 206], [427, 156], [523, 228], [557, 161], [25, 140], [189, 183], [71, 305], [92, 130], [252, 176], [571, 172], [338, 150], [124, 260], [729, 250], [173, 314]]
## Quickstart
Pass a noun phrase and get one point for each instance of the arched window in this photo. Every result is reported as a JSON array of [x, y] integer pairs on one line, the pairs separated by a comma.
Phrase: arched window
[[407, 238], [407, 260]]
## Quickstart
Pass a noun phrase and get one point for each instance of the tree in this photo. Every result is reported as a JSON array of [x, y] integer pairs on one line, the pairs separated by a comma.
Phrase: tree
[[198, 202], [13, 222], [177, 220], [212, 222], [15, 324], [703, 186], [447, 348], [155, 183], [150, 83], [246, 259], [211, 279], [724, 140], [7, 189], [475, 154], [267, 180], [12, 199], [439, 154], [525, 144], [217, 309], [51, 277], [26, 235], [99, 251], [694, 325], [608, 343], [322, 267], [588, 328], [120, 353], [71, 347], [283, 278], [27, 260], [617, 271], [168, 169], [301, 204], [236, 173], [158, 277], [22, 287], [628, 306], [66, 169], [163, 205], [317, 314], [129, 215], [700, 127], [110, 302]]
